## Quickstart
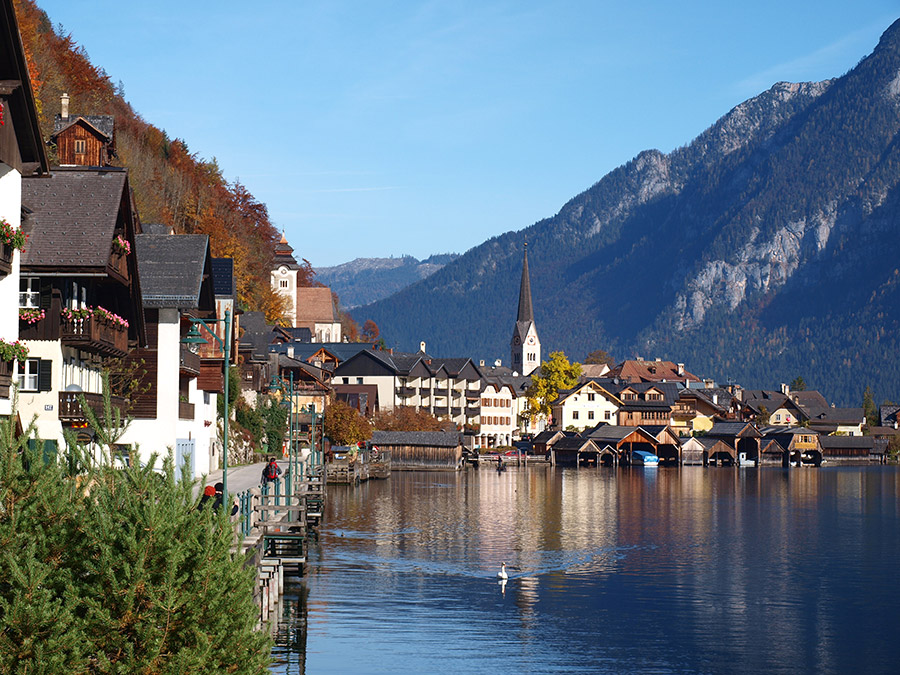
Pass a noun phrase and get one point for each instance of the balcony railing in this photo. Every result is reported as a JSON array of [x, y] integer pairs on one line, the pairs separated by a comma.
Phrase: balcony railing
[[406, 392], [456, 412], [189, 362], [118, 261], [70, 411], [94, 333], [185, 410]]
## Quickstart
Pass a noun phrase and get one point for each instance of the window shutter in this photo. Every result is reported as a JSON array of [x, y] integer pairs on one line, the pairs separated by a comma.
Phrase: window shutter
[[44, 374], [46, 293]]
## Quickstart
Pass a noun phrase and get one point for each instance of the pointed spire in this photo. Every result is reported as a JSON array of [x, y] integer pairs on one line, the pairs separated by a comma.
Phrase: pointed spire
[[283, 238], [526, 312]]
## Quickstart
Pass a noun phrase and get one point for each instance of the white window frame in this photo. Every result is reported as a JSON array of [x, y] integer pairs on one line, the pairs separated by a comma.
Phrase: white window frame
[[31, 297], [29, 375]]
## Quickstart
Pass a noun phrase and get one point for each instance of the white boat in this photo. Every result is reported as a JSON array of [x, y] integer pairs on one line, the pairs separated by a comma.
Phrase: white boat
[[644, 458]]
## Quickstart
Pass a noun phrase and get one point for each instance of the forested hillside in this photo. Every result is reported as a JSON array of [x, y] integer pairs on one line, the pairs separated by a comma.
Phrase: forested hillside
[[171, 184], [768, 247]]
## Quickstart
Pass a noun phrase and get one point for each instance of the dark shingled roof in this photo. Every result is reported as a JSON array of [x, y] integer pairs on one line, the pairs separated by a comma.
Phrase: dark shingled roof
[[171, 268], [73, 217], [436, 439], [526, 311], [223, 277], [840, 442], [155, 228], [105, 124]]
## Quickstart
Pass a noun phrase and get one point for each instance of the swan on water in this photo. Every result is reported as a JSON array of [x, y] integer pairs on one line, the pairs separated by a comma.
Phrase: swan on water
[[502, 573]]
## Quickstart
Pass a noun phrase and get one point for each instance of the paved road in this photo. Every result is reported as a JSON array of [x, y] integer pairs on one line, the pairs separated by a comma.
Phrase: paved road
[[240, 478]]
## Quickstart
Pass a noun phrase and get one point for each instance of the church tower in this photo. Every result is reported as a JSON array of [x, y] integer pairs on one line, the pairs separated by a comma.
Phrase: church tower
[[525, 344], [284, 276]]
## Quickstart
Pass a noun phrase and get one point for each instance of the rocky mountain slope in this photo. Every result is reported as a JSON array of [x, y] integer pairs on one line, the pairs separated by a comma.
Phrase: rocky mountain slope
[[766, 248], [366, 280]]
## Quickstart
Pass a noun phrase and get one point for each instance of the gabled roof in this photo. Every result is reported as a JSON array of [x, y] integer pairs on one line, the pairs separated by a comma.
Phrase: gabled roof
[[734, 429], [652, 371], [574, 444], [889, 414], [173, 269], [609, 432], [73, 216], [315, 303], [809, 399], [104, 125], [847, 442], [775, 431], [437, 439], [565, 394]]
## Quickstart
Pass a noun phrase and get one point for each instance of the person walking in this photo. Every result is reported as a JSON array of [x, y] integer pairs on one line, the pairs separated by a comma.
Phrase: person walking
[[271, 472], [208, 493]]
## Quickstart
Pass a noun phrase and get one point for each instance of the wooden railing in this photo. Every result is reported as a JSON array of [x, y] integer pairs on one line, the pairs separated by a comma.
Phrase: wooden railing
[[189, 361], [70, 409], [185, 410], [93, 333], [118, 262]]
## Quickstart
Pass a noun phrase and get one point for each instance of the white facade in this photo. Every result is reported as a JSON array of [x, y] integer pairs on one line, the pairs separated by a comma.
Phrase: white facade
[[11, 212], [584, 407], [498, 416], [284, 282], [526, 351]]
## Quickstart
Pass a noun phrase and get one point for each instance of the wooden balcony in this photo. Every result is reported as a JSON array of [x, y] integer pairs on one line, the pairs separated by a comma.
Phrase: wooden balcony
[[70, 411], [6, 374], [6, 257], [188, 361], [185, 410], [94, 334], [118, 263]]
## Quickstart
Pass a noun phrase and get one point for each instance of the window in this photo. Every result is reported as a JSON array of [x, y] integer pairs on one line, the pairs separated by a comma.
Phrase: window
[[28, 374], [590, 414], [29, 292], [282, 283], [359, 380], [591, 397], [606, 415], [80, 147], [574, 414]]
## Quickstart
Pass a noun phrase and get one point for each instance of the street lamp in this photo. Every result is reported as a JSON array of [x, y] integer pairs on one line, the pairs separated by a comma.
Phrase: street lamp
[[195, 338]]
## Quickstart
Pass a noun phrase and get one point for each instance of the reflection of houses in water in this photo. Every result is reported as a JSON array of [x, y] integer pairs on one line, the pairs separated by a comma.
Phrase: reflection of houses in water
[[289, 652]]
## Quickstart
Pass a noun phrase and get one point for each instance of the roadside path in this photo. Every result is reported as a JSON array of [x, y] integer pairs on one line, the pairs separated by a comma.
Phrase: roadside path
[[240, 478]]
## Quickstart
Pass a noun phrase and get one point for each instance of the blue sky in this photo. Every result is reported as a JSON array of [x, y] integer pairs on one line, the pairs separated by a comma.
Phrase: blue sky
[[375, 128]]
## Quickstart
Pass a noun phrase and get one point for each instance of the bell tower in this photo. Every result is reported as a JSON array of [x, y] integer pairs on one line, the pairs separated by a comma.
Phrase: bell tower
[[525, 345]]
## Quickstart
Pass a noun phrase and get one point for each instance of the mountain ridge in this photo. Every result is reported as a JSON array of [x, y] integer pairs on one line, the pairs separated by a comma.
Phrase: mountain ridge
[[713, 254]]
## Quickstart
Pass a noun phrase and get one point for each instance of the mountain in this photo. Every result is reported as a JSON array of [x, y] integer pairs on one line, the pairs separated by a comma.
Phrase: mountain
[[366, 280], [768, 247]]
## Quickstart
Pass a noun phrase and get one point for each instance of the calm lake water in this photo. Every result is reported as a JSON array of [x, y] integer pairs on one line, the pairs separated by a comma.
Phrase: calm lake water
[[691, 570]]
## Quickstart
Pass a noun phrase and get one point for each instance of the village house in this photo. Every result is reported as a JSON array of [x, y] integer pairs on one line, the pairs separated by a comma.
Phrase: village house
[[83, 140], [646, 403], [22, 153], [639, 370], [79, 293], [172, 412], [498, 417], [584, 407]]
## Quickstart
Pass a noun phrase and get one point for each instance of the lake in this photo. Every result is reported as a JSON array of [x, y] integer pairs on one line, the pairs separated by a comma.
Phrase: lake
[[690, 570]]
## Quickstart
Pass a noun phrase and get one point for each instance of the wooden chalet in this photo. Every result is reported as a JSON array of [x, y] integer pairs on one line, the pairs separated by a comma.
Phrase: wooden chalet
[[83, 140], [79, 290], [646, 403]]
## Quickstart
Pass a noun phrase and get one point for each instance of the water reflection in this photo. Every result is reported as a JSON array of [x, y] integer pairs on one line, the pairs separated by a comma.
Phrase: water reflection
[[680, 570]]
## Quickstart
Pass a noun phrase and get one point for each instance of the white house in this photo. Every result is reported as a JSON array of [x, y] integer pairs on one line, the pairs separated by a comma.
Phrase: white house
[[585, 406], [21, 154]]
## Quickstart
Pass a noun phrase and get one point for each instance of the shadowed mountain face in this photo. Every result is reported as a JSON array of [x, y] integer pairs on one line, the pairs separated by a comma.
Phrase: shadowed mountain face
[[767, 248]]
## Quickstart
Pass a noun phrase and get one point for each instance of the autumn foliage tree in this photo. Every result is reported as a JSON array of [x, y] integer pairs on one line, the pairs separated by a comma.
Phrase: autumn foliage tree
[[407, 418], [370, 331], [344, 425], [171, 184], [555, 375]]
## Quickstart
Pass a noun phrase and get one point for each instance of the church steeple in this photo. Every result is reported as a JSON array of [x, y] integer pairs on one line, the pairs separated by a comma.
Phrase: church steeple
[[526, 312], [525, 346]]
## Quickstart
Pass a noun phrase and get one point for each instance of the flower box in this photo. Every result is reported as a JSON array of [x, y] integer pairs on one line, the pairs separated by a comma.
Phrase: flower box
[[6, 257]]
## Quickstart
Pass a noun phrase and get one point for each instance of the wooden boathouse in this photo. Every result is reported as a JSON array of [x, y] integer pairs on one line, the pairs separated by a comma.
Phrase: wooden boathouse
[[421, 450], [621, 441]]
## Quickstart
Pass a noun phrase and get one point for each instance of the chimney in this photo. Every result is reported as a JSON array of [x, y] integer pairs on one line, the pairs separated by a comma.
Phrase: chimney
[[785, 389], [422, 346], [680, 370], [64, 106], [497, 363], [658, 360], [715, 399], [481, 363], [290, 351]]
